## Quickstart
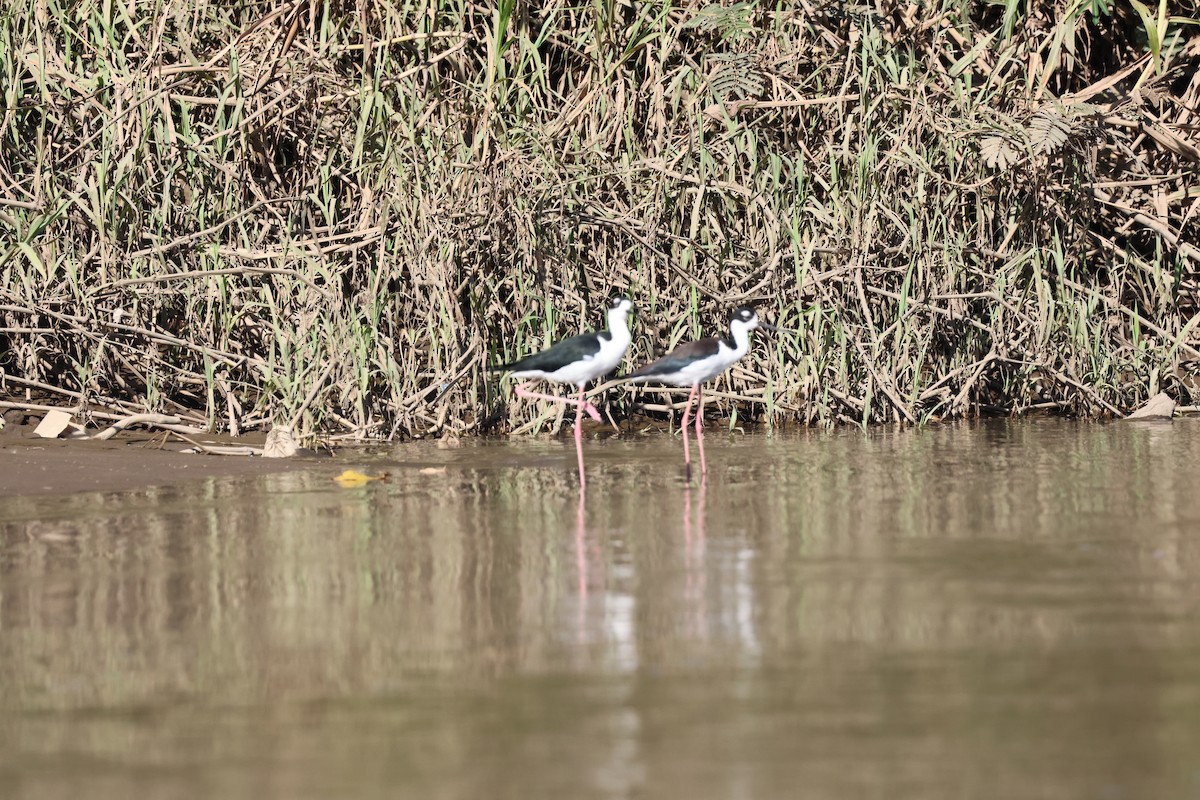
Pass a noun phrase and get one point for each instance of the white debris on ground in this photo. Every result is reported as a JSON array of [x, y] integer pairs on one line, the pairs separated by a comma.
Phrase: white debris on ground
[[1161, 406]]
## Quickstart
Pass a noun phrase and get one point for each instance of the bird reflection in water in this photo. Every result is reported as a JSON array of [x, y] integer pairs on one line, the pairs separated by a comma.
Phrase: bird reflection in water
[[590, 577]]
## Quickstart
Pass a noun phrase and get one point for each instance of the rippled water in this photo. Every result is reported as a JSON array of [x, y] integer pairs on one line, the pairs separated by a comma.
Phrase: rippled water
[[1002, 610]]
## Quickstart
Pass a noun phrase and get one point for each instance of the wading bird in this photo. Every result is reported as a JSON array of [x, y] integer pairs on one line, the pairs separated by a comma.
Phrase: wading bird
[[694, 363], [577, 360]]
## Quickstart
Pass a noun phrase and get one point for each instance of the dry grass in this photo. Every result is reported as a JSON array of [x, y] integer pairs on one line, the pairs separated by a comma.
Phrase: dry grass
[[335, 215]]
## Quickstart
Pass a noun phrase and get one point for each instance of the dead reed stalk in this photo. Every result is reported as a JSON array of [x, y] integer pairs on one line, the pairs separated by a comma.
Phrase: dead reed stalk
[[336, 215]]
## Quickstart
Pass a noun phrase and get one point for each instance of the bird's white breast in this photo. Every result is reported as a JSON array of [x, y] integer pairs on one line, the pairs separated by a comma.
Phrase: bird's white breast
[[705, 368], [606, 359]]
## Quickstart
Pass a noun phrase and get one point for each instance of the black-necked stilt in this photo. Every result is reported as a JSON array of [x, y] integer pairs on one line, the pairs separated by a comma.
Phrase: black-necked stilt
[[577, 360], [694, 363]]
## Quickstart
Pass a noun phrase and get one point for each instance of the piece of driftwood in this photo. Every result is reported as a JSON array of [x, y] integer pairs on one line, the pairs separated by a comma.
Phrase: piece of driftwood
[[164, 421], [218, 449], [224, 450], [1161, 406]]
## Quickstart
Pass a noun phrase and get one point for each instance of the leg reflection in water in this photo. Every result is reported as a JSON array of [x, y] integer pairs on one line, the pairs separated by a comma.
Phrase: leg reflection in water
[[581, 568], [694, 551]]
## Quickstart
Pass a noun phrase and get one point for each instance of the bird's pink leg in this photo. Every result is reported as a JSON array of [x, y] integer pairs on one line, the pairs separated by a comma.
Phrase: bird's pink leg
[[700, 427], [523, 391], [579, 439], [687, 457]]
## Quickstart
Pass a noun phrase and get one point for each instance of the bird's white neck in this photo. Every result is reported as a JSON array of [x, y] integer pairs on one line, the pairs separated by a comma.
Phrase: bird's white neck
[[618, 325], [741, 338]]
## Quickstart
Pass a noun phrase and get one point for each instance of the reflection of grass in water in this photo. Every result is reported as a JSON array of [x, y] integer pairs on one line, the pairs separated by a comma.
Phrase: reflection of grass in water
[[334, 216], [826, 587], [829, 539]]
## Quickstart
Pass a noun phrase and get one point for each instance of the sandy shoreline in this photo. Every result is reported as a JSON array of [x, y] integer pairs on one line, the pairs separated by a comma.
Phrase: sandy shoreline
[[32, 465]]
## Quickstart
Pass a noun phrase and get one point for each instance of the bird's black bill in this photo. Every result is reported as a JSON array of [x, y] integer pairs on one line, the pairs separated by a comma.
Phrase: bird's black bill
[[771, 327]]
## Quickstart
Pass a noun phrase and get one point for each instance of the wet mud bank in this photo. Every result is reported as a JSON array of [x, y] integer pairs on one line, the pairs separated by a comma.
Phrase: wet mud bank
[[31, 465]]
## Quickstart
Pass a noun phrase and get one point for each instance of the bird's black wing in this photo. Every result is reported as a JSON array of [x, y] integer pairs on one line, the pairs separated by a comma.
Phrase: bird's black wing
[[558, 355], [678, 358]]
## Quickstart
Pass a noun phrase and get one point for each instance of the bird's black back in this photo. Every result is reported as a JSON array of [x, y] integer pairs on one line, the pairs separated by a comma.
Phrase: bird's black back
[[558, 355], [679, 358]]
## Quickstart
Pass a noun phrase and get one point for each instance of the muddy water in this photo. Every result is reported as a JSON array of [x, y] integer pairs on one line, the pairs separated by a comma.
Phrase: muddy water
[[1009, 610]]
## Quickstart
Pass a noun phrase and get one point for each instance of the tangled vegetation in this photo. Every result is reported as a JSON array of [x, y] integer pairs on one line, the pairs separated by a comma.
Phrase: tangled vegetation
[[336, 214]]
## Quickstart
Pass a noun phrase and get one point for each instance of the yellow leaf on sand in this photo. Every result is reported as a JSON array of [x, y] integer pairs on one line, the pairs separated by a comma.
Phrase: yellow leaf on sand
[[352, 478]]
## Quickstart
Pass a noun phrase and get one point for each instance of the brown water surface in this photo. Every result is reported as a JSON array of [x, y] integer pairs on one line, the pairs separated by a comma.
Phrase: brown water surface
[[1002, 610]]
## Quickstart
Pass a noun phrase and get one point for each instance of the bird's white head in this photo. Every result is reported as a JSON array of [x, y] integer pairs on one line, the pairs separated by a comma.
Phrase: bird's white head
[[619, 308], [744, 319]]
